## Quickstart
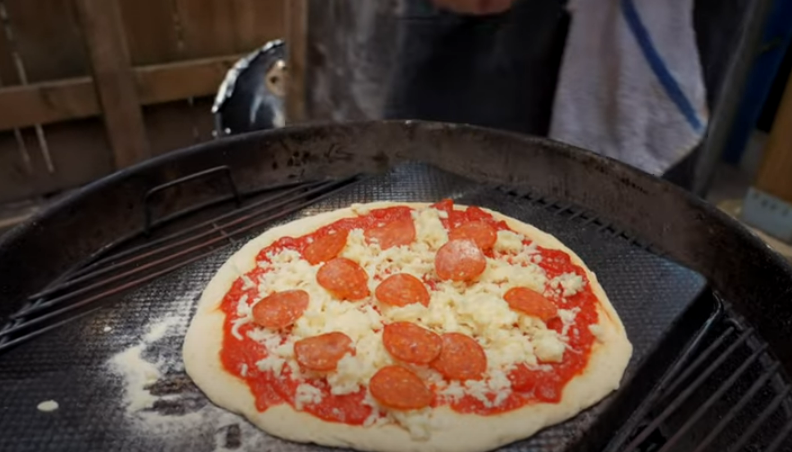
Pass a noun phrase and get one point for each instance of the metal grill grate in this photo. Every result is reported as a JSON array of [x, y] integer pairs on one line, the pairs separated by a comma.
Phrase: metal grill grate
[[583, 217], [726, 393], [120, 267]]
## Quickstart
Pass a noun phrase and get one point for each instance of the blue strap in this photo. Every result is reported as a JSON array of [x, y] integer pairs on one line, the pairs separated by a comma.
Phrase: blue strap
[[658, 66]]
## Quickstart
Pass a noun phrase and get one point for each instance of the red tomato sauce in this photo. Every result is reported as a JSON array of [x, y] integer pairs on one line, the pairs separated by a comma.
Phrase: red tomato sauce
[[528, 386]]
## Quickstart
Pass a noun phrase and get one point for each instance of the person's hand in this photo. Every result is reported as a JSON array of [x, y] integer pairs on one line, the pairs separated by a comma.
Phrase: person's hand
[[479, 7]]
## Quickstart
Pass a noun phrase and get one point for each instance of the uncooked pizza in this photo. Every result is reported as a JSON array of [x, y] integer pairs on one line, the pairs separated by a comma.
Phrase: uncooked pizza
[[406, 327]]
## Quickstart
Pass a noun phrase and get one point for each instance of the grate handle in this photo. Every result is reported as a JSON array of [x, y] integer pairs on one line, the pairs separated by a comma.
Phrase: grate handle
[[224, 170]]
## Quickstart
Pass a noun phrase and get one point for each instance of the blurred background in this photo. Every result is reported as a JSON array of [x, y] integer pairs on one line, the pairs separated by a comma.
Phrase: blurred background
[[89, 87]]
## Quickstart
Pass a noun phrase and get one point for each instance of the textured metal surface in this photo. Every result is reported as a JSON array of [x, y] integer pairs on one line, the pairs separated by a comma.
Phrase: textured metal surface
[[117, 271], [729, 395], [78, 365]]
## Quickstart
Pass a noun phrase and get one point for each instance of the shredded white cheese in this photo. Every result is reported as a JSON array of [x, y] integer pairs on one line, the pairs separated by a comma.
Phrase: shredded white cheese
[[245, 314], [47, 406], [247, 282], [509, 242], [548, 346], [416, 259], [429, 229], [271, 364], [597, 331], [356, 370], [513, 275], [417, 422], [571, 283], [358, 320], [360, 209], [307, 395], [498, 385], [567, 317]]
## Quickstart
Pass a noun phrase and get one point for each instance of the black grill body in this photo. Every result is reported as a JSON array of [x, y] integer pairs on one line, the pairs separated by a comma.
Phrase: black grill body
[[706, 304]]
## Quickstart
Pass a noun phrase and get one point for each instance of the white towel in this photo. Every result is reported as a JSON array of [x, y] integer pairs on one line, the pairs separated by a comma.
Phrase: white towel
[[631, 84]]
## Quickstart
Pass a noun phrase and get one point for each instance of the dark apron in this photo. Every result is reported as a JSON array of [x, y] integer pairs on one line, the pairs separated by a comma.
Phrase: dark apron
[[501, 71], [497, 71]]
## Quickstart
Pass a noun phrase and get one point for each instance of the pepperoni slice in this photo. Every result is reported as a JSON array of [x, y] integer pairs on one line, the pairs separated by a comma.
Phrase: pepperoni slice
[[396, 233], [459, 260], [530, 302], [482, 233], [411, 343], [461, 358], [344, 278], [326, 247], [399, 388], [280, 309], [473, 213], [402, 289], [324, 351]]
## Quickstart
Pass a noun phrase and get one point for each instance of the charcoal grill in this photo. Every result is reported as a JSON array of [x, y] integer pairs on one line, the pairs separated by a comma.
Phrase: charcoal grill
[[116, 268]]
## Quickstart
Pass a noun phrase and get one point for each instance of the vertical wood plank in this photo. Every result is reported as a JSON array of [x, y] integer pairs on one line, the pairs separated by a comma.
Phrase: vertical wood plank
[[79, 154], [203, 119], [775, 174], [79, 151], [16, 180], [48, 38], [150, 31], [257, 22], [114, 79], [297, 48], [8, 73], [173, 125], [207, 28]]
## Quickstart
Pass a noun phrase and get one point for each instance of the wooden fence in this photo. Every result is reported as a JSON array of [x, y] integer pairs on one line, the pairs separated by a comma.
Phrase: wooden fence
[[91, 86]]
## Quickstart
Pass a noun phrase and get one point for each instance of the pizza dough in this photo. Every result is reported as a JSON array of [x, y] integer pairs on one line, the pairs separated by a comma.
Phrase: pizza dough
[[451, 431]]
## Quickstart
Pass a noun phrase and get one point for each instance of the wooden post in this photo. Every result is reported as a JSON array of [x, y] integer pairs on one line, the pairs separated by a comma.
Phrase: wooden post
[[114, 80], [296, 44], [768, 204], [775, 174]]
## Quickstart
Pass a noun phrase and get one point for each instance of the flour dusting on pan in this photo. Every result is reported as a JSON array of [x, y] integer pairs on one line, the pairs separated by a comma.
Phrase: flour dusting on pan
[[160, 400]]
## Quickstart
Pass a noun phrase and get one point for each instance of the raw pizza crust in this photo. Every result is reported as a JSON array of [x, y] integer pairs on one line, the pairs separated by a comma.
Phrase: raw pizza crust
[[610, 354]]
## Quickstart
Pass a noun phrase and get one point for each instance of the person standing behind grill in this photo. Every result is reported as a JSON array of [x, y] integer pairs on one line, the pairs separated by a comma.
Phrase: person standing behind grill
[[624, 80], [487, 63]]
